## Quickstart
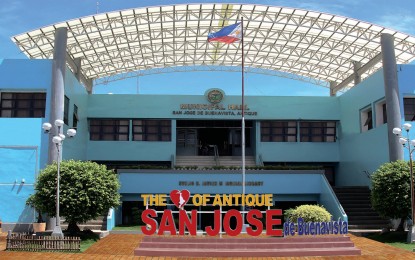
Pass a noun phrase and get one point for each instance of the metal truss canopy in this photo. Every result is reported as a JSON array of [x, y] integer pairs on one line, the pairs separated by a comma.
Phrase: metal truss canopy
[[277, 41]]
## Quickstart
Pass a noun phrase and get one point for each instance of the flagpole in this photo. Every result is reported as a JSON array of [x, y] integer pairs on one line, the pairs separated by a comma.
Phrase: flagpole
[[243, 113]]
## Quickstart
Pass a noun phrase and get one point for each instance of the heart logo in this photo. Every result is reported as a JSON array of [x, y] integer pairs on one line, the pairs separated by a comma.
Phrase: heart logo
[[180, 198]]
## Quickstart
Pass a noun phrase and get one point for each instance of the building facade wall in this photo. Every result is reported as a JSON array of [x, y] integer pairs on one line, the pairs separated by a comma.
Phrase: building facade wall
[[75, 148], [23, 145], [164, 107], [406, 79], [354, 152], [21, 139], [361, 151]]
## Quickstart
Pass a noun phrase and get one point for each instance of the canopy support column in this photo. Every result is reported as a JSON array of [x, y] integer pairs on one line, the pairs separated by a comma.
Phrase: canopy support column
[[58, 85], [390, 78], [332, 91], [357, 77]]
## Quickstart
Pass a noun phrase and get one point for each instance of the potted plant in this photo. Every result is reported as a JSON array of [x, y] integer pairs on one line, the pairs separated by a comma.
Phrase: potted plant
[[39, 225]]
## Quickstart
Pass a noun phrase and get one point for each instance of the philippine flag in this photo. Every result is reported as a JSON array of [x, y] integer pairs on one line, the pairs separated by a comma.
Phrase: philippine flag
[[228, 34]]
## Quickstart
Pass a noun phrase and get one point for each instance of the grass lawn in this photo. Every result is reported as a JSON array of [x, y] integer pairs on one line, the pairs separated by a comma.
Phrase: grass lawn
[[396, 239], [85, 244], [87, 239], [127, 227]]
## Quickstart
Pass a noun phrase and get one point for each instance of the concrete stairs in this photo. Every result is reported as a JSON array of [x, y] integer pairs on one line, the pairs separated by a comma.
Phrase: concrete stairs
[[209, 161], [199, 161], [356, 204], [246, 247], [237, 161], [97, 224]]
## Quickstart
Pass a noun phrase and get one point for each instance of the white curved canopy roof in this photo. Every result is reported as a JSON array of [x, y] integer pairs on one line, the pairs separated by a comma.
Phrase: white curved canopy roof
[[305, 45]]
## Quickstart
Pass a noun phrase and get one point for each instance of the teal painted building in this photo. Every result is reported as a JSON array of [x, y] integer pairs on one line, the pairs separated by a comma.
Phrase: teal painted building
[[129, 130], [307, 144]]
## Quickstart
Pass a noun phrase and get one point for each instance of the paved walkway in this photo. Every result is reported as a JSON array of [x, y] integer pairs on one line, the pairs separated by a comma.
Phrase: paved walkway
[[117, 246]]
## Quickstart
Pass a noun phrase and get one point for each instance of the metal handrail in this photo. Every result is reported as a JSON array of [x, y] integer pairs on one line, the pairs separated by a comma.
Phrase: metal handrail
[[333, 194], [261, 162], [216, 153], [367, 173], [173, 161]]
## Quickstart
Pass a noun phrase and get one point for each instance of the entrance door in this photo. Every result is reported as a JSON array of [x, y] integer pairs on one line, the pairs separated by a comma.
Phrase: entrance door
[[235, 145], [187, 142], [197, 137], [214, 136]]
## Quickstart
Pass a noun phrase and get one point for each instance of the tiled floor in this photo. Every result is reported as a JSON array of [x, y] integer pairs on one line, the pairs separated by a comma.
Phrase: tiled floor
[[122, 247]]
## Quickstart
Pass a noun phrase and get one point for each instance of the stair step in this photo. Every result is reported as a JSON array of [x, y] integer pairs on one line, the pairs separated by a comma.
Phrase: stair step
[[272, 245], [259, 240], [100, 223], [368, 222], [350, 188], [85, 227], [351, 199], [352, 194], [367, 226], [357, 205], [179, 252], [209, 161], [246, 247], [364, 217], [359, 212]]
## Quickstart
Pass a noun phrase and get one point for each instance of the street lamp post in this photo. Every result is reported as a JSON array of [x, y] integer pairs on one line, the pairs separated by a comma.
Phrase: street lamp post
[[410, 145], [58, 139]]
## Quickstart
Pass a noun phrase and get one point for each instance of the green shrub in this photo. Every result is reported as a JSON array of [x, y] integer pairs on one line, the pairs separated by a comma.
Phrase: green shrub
[[87, 190], [287, 214], [309, 213], [391, 191]]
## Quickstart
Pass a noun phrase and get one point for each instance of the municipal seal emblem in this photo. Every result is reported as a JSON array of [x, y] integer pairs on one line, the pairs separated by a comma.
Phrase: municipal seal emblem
[[215, 96]]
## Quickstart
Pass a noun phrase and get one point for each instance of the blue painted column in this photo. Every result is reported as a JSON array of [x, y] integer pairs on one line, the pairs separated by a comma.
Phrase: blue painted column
[[390, 78], [58, 85]]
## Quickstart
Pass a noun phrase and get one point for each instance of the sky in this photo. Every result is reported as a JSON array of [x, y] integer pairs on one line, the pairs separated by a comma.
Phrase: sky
[[19, 16]]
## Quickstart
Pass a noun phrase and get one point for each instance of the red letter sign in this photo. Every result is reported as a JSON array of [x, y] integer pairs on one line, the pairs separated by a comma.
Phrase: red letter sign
[[255, 222], [148, 221], [226, 222], [273, 222]]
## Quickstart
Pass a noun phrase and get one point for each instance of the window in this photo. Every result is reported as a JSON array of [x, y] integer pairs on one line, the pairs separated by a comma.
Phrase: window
[[278, 131], [151, 130], [66, 111], [75, 117], [108, 129], [366, 119], [14, 104], [317, 131], [409, 109], [381, 117]]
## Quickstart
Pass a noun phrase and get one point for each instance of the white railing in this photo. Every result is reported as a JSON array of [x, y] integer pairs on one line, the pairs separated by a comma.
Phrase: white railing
[[215, 153]]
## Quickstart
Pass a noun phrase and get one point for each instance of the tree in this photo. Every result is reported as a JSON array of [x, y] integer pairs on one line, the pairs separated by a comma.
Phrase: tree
[[87, 190], [391, 192]]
